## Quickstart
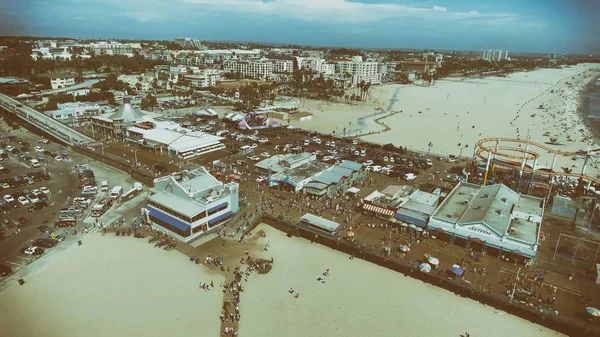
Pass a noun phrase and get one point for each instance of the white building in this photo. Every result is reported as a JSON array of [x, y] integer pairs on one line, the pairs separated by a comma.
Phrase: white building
[[51, 53], [113, 48], [493, 217], [361, 71], [203, 80], [186, 42], [494, 55], [59, 81], [317, 64], [171, 138], [259, 69], [191, 204], [283, 66]]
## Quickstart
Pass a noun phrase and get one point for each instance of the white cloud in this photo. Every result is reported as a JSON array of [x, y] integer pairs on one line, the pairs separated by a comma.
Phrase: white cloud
[[332, 11], [325, 11]]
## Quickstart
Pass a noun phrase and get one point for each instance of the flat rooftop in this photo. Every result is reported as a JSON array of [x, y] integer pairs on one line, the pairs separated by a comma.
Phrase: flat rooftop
[[457, 202]]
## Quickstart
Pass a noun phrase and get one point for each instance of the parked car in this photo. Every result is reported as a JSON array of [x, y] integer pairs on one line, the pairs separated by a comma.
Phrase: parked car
[[409, 176], [64, 216], [23, 201], [45, 190], [8, 198], [33, 250]]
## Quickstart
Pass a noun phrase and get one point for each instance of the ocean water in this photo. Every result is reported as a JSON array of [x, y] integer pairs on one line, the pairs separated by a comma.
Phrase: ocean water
[[590, 104]]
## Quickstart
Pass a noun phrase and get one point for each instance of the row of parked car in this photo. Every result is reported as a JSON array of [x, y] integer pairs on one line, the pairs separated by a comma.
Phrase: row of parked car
[[35, 199]]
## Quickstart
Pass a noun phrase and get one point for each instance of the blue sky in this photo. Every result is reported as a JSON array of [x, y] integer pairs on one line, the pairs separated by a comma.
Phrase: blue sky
[[559, 26]]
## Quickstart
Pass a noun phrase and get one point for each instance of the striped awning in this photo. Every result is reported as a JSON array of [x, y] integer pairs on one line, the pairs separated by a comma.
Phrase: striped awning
[[377, 209]]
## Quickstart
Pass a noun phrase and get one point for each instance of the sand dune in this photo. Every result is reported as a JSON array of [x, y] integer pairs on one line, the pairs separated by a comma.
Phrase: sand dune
[[359, 299], [112, 286]]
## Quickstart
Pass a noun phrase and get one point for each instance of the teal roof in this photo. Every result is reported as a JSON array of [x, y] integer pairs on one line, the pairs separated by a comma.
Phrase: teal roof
[[352, 165]]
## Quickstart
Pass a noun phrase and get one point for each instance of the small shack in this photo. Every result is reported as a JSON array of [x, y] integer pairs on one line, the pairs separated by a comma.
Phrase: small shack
[[319, 225]]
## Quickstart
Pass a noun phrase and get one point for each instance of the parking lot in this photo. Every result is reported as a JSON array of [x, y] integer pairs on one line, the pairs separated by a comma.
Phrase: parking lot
[[35, 198]]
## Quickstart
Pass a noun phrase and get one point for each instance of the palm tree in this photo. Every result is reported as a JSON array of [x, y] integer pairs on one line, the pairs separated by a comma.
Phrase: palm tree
[[360, 88], [366, 90]]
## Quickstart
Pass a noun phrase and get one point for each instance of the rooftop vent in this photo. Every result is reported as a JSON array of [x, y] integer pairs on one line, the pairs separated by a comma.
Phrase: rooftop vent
[[503, 200], [485, 195], [449, 216], [499, 211], [476, 208]]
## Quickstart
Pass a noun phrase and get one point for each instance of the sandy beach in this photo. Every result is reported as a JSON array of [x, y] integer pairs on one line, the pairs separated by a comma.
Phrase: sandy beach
[[465, 110], [358, 299], [111, 286]]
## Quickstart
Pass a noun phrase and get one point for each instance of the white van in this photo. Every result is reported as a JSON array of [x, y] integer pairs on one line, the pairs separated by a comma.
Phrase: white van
[[116, 192], [409, 176], [34, 163], [104, 185]]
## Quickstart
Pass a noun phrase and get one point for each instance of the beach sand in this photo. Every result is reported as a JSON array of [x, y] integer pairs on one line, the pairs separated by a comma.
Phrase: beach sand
[[359, 299], [446, 112], [112, 286]]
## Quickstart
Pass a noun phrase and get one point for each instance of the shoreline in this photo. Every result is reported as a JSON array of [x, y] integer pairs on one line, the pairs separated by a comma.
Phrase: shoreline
[[584, 108]]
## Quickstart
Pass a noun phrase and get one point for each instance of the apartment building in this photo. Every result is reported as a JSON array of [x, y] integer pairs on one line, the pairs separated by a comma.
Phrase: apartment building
[[59, 81], [317, 64], [203, 80], [494, 55], [362, 71], [186, 42], [113, 48], [259, 69], [283, 66]]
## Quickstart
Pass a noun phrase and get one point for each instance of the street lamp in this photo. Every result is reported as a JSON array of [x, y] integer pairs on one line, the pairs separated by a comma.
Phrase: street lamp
[[135, 155]]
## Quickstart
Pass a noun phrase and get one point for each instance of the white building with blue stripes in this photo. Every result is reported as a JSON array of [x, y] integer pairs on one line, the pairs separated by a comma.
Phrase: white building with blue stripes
[[191, 204]]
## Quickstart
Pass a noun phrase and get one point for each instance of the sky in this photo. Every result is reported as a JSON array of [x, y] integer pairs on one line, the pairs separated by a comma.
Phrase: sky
[[545, 26]]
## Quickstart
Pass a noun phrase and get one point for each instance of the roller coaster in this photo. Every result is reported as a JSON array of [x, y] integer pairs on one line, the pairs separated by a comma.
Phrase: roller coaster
[[503, 152]]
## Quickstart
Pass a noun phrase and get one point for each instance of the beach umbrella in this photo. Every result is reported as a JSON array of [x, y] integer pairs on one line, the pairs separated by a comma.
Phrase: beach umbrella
[[433, 261], [403, 224], [393, 220], [593, 311], [412, 226], [457, 270], [350, 234], [425, 267], [404, 249], [419, 229]]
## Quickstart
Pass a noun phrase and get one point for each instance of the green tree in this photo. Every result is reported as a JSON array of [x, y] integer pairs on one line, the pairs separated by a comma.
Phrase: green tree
[[149, 102]]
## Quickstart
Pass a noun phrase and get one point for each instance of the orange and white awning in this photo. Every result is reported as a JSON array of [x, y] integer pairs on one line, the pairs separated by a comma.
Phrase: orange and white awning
[[377, 209]]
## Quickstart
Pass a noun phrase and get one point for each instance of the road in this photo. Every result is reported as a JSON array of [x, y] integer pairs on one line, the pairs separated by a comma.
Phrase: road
[[43, 122], [84, 84]]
